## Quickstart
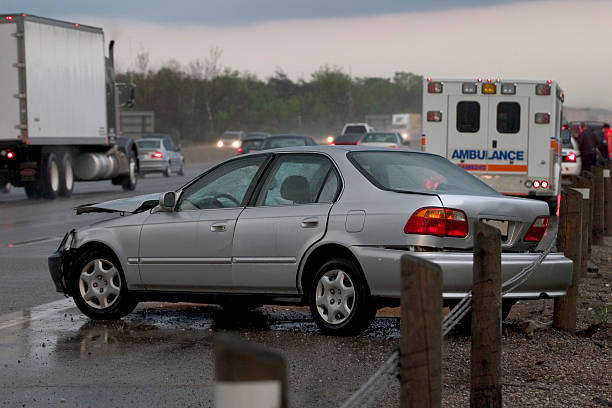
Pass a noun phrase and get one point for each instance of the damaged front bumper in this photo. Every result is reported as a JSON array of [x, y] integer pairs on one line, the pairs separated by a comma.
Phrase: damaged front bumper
[[57, 261]]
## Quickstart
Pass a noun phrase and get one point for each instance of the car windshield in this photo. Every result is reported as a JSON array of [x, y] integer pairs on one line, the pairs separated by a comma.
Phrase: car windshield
[[355, 129], [379, 138], [417, 172], [148, 143], [349, 138], [231, 136], [283, 141], [566, 138]]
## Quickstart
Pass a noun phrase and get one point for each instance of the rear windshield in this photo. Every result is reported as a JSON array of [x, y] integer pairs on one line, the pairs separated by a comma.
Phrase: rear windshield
[[355, 129], [148, 144], [277, 142], [252, 144], [379, 138], [417, 172], [566, 138], [349, 138]]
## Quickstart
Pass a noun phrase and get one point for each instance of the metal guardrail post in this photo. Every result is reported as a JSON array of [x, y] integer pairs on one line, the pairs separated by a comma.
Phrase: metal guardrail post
[[247, 375], [569, 242], [421, 334], [486, 375], [598, 210]]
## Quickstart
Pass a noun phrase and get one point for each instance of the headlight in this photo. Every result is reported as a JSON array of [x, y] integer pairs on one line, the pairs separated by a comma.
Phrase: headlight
[[404, 135], [220, 143], [66, 243], [236, 144], [330, 139]]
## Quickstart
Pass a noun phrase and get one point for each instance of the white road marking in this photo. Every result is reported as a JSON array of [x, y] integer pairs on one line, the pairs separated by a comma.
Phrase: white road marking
[[34, 242], [35, 313]]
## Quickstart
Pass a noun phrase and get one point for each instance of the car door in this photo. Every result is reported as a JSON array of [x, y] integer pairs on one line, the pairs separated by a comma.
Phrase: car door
[[287, 215], [467, 131], [189, 249]]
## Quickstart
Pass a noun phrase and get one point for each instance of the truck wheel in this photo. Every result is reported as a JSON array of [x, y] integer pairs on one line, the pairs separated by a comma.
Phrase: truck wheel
[[128, 182], [67, 176], [49, 177], [339, 298]]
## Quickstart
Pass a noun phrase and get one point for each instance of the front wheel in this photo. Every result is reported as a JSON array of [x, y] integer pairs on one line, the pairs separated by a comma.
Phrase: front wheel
[[339, 298], [98, 286], [129, 181]]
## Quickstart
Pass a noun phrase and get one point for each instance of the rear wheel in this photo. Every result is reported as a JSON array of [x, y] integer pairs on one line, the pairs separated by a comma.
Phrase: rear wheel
[[129, 181], [98, 286], [340, 298], [168, 171], [47, 183], [181, 170], [66, 176]]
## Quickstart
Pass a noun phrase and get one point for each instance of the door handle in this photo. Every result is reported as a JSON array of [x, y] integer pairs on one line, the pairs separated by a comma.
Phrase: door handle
[[218, 227], [495, 144], [310, 222]]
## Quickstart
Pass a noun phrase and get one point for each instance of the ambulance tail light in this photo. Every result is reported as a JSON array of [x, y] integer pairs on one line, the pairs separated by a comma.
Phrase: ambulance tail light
[[434, 87], [544, 184], [537, 229], [434, 116], [543, 89], [542, 118], [571, 157], [536, 184], [443, 222]]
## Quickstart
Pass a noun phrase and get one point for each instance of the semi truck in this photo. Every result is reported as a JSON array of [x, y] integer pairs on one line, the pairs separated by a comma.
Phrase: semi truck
[[59, 108], [505, 132]]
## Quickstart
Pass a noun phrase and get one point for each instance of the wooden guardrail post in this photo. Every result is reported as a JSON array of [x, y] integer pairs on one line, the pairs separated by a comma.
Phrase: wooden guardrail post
[[580, 186], [587, 182], [248, 375], [598, 210], [421, 333], [607, 202], [569, 242], [486, 318]]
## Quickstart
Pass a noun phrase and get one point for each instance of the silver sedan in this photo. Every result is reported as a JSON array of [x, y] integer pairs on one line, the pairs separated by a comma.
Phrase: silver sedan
[[316, 225]]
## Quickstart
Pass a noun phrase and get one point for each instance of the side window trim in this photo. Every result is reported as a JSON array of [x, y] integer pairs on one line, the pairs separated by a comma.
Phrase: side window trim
[[331, 173]]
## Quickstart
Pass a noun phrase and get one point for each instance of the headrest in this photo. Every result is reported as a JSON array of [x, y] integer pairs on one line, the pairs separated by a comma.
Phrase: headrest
[[296, 189]]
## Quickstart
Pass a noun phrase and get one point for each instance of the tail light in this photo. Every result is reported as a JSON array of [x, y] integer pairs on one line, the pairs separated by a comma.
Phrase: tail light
[[543, 89], [157, 155], [239, 150], [571, 157], [332, 144], [536, 184], [434, 116], [537, 229], [443, 222], [542, 118], [434, 87], [10, 155]]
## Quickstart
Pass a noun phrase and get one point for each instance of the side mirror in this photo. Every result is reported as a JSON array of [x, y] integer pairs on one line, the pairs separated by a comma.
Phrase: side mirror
[[167, 201]]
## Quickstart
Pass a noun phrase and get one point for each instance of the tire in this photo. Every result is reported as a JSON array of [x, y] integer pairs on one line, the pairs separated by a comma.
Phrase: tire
[[168, 171], [50, 175], [66, 175], [33, 190], [552, 205], [356, 312], [181, 170], [98, 286], [129, 181]]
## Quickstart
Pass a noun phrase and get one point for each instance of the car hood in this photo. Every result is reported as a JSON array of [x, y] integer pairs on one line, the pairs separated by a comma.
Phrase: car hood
[[131, 205]]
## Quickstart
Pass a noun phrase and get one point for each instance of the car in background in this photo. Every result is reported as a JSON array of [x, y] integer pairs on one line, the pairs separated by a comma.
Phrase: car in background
[[571, 164], [278, 141], [231, 138], [381, 139], [253, 141], [157, 154], [347, 139], [315, 225], [596, 127]]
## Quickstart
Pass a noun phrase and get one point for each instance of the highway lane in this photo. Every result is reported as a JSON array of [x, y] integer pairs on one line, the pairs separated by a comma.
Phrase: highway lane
[[31, 230]]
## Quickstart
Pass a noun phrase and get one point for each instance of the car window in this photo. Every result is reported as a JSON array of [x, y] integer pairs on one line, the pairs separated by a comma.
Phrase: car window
[[168, 144], [330, 188], [468, 117], [224, 187], [252, 144], [148, 144], [348, 138], [295, 179], [566, 138], [416, 172], [379, 138], [508, 117], [278, 142], [355, 129]]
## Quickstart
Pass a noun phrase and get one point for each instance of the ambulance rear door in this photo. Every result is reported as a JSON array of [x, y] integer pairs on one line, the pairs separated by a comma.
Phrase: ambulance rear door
[[467, 131], [508, 134]]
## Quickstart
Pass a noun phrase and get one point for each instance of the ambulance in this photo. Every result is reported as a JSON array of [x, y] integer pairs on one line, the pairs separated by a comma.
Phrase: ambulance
[[505, 132]]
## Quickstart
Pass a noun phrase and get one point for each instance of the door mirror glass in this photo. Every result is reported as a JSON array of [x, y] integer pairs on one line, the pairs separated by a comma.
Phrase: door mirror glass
[[167, 201]]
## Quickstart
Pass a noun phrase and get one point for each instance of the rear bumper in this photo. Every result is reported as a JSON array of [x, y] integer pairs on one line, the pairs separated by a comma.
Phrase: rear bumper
[[146, 166], [382, 269]]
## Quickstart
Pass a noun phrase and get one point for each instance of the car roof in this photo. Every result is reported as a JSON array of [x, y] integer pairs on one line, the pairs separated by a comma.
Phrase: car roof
[[341, 149]]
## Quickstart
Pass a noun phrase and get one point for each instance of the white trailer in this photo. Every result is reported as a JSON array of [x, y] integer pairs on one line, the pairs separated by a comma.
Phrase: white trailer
[[505, 132], [58, 108]]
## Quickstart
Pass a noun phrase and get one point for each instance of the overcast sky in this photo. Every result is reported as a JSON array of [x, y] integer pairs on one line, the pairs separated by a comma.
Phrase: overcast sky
[[566, 40]]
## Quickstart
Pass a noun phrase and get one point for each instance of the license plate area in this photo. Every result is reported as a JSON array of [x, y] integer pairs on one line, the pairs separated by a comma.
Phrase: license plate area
[[501, 225]]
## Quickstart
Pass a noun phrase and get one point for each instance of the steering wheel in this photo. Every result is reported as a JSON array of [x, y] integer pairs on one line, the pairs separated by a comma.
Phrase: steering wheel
[[215, 199]]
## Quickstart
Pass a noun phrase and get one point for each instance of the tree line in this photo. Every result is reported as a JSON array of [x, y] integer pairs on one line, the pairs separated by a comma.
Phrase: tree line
[[197, 102]]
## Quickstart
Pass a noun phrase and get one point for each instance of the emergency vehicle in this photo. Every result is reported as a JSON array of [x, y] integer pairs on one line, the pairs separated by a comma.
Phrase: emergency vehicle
[[505, 132]]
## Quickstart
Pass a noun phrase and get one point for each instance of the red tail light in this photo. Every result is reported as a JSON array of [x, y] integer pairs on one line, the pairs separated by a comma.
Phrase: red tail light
[[157, 155], [571, 157], [537, 229], [443, 222], [10, 155], [239, 150], [332, 144]]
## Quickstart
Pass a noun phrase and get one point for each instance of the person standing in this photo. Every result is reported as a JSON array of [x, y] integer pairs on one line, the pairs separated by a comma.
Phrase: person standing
[[588, 145], [607, 132]]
